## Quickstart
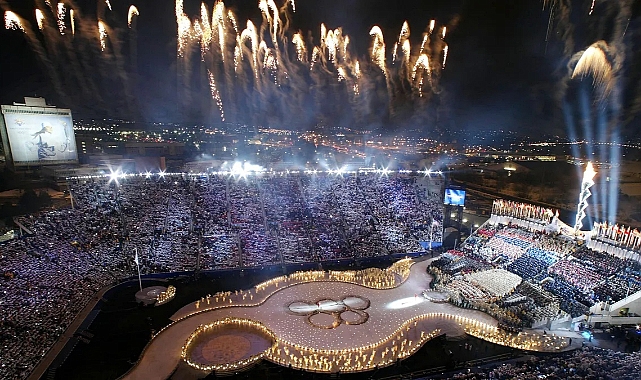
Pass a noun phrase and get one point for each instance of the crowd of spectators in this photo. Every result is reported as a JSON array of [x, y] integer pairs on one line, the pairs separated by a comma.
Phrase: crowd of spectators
[[552, 266], [588, 363], [180, 223]]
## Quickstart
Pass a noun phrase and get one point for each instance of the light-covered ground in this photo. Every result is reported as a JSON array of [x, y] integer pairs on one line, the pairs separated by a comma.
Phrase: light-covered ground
[[388, 310]]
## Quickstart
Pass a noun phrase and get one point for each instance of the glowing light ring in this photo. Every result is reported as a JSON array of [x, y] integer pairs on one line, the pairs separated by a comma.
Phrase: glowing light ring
[[220, 325]]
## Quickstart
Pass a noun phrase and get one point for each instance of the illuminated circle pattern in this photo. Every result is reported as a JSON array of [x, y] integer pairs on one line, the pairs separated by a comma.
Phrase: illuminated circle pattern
[[326, 313]]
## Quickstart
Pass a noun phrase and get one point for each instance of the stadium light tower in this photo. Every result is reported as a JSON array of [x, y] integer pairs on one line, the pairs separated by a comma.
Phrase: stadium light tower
[[586, 184]]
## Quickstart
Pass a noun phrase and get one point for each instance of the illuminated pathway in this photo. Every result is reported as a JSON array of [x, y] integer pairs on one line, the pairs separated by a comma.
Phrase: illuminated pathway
[[387, 311]]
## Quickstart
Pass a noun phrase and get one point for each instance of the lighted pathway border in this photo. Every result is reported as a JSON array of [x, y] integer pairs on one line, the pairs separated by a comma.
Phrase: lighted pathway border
[[400, 322]]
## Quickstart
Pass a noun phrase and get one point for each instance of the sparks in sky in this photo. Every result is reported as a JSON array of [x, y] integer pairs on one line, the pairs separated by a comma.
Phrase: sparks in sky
[[133, 11], [102, 34], [12, 21], [40, 18]]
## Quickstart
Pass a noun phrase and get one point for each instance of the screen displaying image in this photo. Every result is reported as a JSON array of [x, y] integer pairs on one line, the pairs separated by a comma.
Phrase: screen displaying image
[[40, 138], [455, 197]]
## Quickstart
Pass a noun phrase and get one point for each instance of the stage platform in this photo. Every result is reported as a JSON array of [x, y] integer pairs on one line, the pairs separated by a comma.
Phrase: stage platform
[[311, 322]]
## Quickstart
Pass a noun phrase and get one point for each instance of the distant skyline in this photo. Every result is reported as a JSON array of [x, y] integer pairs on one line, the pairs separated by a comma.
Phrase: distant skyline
[[500, 73]]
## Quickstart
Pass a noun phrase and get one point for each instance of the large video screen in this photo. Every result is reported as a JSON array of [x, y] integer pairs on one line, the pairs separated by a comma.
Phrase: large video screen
[[38, 136], [454, 197]]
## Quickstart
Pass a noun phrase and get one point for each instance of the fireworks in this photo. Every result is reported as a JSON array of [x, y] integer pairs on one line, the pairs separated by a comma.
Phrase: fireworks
[[218, 26], [445, 49], [406, 50], [422, 63], [378, 48], [591, 8], [40, 18], [293, 5], [233, 21], [102, 34], [215, 94], [12, 21], [341, 74], [249, 33], [133, 11], [594, 62], [315, 54], [184, 29], [62, 12], [297, 40], [215, 31], [206, 36]]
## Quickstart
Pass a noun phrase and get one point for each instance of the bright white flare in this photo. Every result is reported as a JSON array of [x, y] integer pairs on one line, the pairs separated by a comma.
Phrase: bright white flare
[[293, 5], [73, 22], [133, 11], [108, 4], [102, 33], [40, 18], [445, 50], [443, 31], [62, 12], [12, 21], [591, 8], [432, 24]]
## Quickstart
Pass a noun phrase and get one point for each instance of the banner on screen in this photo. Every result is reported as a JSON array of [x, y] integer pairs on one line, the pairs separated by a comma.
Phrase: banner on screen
[[454, 197], [39, 136]]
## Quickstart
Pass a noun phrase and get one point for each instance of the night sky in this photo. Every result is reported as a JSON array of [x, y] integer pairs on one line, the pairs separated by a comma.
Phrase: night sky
[[500, 72]]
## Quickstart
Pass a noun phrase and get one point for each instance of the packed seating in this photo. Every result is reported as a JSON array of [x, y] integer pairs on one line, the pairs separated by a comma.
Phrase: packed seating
[[553, 264], [586, 363], [180, 223]]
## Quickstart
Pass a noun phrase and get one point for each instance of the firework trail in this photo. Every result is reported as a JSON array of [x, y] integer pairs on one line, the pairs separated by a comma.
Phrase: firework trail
[[12, 21], [593, 62], [184, 29], [378, 48], [133, 12], [102, 35], [40, 18], [286, 78], [445, 50], [249, 33], [62, 12], [218, 26], [591, 8], [72, 17], [215, 94], [301, 51]]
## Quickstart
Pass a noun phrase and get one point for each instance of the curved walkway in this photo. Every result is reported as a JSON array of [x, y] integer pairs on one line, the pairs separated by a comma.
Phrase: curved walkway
[[389, 310]]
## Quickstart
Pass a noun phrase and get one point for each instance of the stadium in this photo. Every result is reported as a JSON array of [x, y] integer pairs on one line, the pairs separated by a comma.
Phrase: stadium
[[278, 189], [520, 274]]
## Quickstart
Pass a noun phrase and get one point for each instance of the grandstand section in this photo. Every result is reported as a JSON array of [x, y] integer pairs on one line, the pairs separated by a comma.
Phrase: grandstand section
[[566, 276]]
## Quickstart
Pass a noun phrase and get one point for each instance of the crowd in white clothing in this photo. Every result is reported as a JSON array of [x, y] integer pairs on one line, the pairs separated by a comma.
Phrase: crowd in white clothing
[[184, 223]]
